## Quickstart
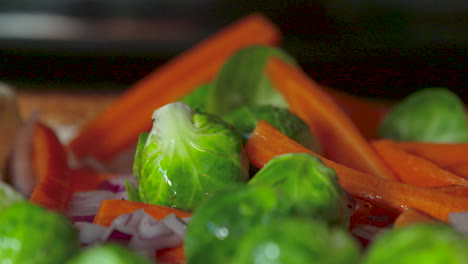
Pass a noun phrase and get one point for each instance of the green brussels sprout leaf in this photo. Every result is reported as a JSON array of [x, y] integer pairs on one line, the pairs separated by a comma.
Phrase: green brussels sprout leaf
[[219, 222], [296, 240], [246, 117], [109, 253], [30, 234], [199, 97], [242, 81], [187, 156], [429, 115], [307, 185], [426, 243]]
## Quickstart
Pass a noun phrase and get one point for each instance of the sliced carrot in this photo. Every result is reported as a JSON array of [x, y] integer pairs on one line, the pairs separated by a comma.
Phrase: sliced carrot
[[267, 142], [412, 216], [82, 180], [171, 255], [442, 154], [457, 190], [50, 166], [460, 169], [366, 113], [113, 208], [413, 169], [339, 137], [117, 128]]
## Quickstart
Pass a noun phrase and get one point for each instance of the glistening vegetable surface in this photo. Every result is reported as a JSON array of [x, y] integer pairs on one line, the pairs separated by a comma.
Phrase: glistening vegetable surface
[[196, 200]]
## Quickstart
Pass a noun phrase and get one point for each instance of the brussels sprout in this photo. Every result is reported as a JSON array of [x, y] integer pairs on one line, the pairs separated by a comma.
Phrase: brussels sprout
[[426, 243], [198, 98], [109, 254], [8, 196], [245, 118], [187, 156], [32, 234], [431, 115], [220, 222], [307, 185], [242, 81], [295, 240]]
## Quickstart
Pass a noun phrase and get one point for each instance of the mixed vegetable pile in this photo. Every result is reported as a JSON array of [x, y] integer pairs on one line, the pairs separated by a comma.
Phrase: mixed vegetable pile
[[234, 155]]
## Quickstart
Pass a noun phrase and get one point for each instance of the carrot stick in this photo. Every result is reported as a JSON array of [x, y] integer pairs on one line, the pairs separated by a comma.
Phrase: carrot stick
[[267, 142], [413, 169], [371, 214], [442, 154], [412, 216], [117, 128], [460, 169], [50, 166], [111, 209], [171, 255], [366, 113], [340, 138], [457, 190], [82, 180]]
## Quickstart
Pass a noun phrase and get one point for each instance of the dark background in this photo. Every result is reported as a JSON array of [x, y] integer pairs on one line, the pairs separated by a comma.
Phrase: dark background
[[371, 48]]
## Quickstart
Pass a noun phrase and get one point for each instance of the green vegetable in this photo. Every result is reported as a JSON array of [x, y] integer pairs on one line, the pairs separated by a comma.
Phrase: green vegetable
[[220, 222], [198, 98], [421, 243], [187, 156], [8, 196], [109, 254], [32, 234], [430, 115], [307, 185], [242, 81], [245, 118], [291, 240]]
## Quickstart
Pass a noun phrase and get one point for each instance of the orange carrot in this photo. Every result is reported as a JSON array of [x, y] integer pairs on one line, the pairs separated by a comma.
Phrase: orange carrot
[[50, 166], [267, 142], [82, 180], [457, 190], [117, 128], [111, 209], [339, 137], [366, 113], [442, 154], [412, 216], [171, 255], [413, 169], [460, 169], [370, 214]]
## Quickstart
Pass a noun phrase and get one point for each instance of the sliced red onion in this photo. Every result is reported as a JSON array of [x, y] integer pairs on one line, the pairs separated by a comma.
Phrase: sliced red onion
[[86, 204], [117, 184], [175, 223], [122, 163], [138, 230], [459, 221], [367, 232], [89, 232], [150, 234], [22, 175]]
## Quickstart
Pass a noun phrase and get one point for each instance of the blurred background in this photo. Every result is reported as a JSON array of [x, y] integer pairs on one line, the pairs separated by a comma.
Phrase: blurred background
[[374, 48]]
